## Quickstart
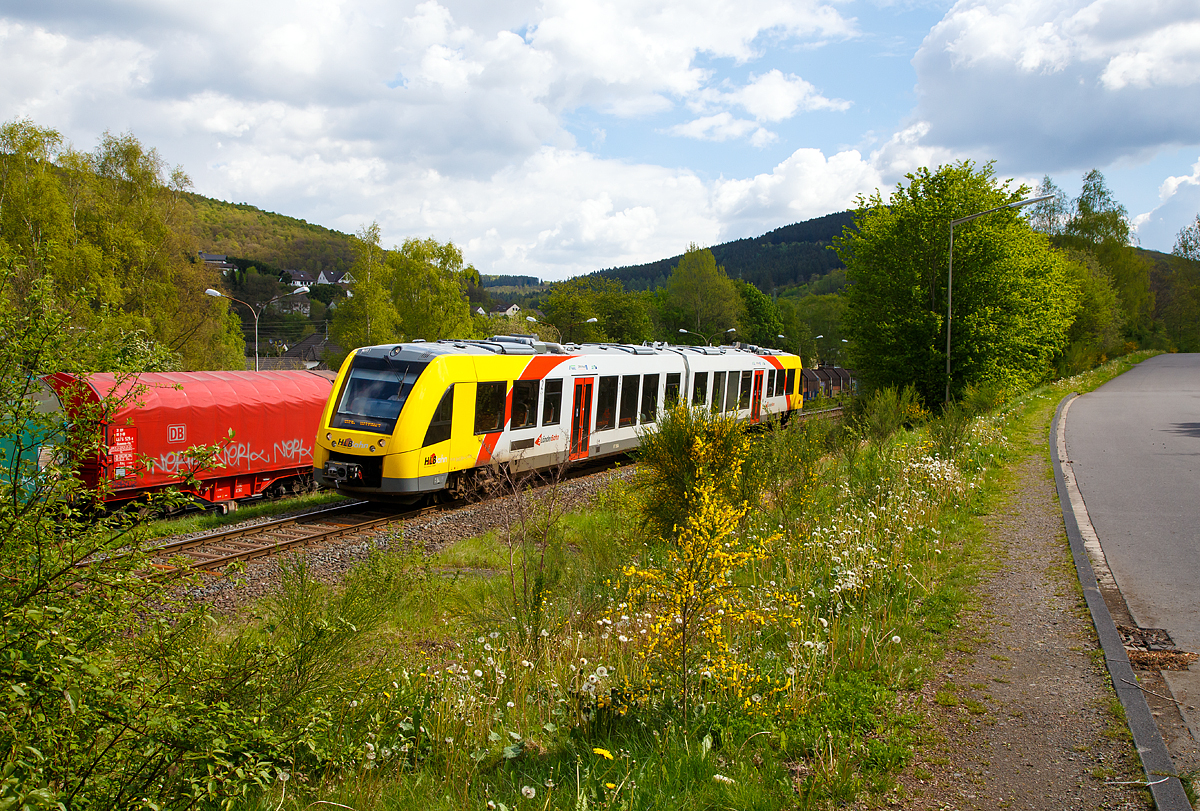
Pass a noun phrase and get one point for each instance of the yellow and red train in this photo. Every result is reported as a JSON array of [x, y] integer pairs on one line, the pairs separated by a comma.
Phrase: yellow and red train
[[406, 420]]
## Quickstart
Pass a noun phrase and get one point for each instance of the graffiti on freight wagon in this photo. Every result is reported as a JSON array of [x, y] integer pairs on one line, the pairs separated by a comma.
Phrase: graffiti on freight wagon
[[241, 456]]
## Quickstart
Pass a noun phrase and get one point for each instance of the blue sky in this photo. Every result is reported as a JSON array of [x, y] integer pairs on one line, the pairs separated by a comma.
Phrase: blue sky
[[554, 138]]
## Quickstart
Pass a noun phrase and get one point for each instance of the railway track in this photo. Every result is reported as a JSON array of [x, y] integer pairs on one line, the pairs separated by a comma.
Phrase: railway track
[[216, 550]]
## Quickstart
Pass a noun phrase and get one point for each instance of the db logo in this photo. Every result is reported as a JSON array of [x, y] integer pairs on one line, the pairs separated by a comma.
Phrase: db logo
[[176, 433]]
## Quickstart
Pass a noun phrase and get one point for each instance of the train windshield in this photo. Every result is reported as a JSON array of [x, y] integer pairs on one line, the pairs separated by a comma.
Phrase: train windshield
[[374, 393]]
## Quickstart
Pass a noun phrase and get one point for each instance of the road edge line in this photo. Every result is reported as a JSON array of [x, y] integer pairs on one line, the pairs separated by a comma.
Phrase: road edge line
[[1164, 785]]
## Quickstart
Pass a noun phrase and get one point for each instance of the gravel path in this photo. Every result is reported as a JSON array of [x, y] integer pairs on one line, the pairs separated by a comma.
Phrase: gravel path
[[1021, 714]]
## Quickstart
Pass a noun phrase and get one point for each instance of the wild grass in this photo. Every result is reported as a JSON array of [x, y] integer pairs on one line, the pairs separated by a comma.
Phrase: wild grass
[[741, 647]]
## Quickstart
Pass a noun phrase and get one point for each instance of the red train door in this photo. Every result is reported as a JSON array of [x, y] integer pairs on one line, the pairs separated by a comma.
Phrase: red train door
[[581, 417], [756, 397]]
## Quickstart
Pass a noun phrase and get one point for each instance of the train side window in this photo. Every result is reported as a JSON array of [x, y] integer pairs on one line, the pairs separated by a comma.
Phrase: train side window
[[700, 388], [629, 400], [489, 407], [443, 418], [552, 402], [718, 392], [649, 399], [524, 404], [671, 393], [731, 392], [747, 381], [770, 383], [790, 387], [606, 403]]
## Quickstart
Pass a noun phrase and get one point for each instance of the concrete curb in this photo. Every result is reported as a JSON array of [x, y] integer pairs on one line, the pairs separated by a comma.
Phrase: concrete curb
[[1160, 771]]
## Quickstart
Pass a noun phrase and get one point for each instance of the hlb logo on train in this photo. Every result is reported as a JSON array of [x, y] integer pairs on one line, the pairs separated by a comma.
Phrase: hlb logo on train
[[347, 442], [176, 433], [434, 459]]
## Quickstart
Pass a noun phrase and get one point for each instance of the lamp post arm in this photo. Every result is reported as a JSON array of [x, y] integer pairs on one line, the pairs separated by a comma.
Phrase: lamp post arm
[[950, 267]]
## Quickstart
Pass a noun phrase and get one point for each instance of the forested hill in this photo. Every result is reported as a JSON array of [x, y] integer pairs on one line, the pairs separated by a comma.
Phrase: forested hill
[[241, 230], [787, 256]]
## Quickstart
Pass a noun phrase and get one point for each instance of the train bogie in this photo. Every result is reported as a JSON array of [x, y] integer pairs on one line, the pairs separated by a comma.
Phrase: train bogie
[[407, 420]]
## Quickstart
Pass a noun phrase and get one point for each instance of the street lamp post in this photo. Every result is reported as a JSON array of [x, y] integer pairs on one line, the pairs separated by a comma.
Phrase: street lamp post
[[708, 340], [574, 324], [557, 331], [950, 270], [261, 308]]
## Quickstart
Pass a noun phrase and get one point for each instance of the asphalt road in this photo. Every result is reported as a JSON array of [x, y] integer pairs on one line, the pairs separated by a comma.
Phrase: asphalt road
[[1134, 444]]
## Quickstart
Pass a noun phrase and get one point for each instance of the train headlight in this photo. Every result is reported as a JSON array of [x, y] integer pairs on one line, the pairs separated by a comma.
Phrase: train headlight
[[329, 437], [372, 449], [382, 442]]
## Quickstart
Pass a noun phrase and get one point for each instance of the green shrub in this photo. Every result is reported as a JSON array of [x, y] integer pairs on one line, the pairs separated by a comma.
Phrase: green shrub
[[887, 410], [671, 457]]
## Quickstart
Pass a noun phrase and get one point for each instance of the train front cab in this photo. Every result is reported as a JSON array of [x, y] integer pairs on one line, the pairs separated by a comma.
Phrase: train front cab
[[405, 420], [365, 444]]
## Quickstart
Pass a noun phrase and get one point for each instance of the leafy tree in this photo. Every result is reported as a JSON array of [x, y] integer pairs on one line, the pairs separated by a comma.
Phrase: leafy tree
[[109, 230], [1187, 242], [326, 293], [620, 316], [760, 323], [1013, 299], [808, 317], [1096, 328], [625, 314], [369, 317], [699, 294], [428, 289], [1097, 217], [1049, 216], [1181, 295], [1100, 224], [571, 304]]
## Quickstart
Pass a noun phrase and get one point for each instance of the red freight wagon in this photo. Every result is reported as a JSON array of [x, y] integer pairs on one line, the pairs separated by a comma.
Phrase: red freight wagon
[[274, 417]]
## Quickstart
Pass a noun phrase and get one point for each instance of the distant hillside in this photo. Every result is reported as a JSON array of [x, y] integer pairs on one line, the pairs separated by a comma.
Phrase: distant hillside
[[787, 256], [509, 281], [239, 229]]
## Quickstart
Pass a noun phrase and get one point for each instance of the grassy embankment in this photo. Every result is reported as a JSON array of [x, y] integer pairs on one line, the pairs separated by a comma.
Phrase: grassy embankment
[[656, 651]]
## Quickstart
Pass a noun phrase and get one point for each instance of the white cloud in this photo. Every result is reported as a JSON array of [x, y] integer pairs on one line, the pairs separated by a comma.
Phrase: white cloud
[[769, 98], [444, 120], [719, 127], [1180, 200], [1049, 85], [807, 184], [1171, 185], [774, 97]]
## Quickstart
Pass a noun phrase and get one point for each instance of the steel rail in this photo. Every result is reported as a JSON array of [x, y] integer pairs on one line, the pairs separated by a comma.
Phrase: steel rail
[[254, 529], [252, 551]]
